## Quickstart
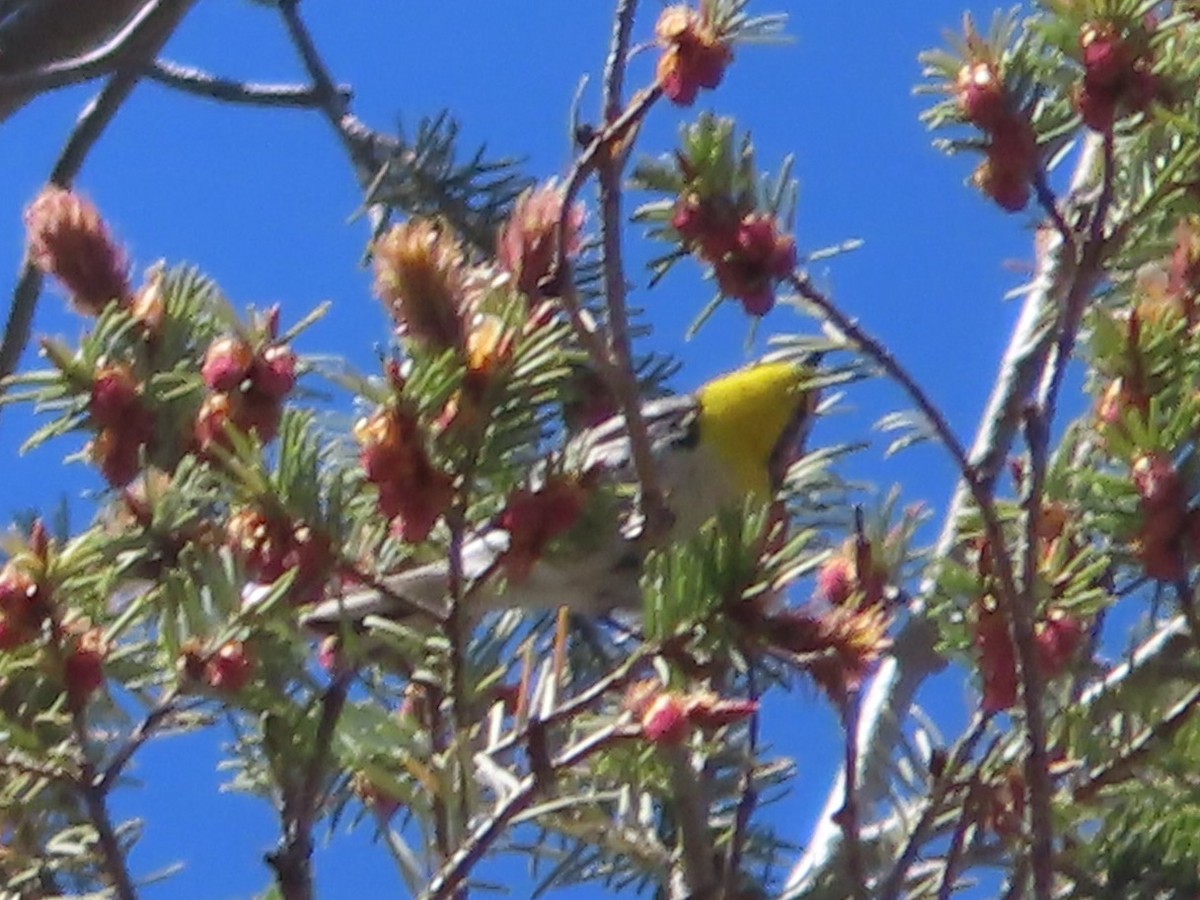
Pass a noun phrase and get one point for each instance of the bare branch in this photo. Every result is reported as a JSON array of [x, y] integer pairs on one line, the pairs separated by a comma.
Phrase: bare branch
[[143, 44], [891, 692], [227, 90]]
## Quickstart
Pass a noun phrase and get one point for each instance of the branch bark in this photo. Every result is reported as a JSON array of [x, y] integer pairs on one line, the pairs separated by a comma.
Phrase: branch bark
[[914, 659]]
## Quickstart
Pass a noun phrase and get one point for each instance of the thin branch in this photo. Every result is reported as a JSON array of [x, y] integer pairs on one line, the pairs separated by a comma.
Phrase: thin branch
[[621, 378], [848, 815], [612, 135], [106, 835], [914, 655], [160, 19], [292, 862], [1021, 622], [356, 138], [1129, 763], [1168, 641], [1104, 201], [571, 708], [1082, 288], [697, 854], [749, 797], [942, 786], [958, 839], [199, 83], [94, 797], [618, 54], [878, 353], [458, 867], [1049, 205], [166, 707]]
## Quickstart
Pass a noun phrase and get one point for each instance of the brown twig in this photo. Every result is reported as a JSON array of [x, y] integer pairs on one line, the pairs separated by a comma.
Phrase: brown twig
[[95, 797], [228, 90], [144, 41], [458, 867], [1021, 616], [571, 708], [355, 137], [749, 798], [1104, 201], [1127, 765], [1049, 205], [914, 654], [292, 862], [694, 874], [958, 839], [944, 783], [875, 350], [620, 376], [166, 707]]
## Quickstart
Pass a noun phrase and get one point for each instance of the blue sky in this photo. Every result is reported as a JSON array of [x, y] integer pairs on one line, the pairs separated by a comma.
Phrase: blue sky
[[261, 200]]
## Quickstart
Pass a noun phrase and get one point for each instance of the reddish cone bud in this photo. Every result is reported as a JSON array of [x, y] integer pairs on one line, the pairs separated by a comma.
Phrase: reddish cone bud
[[116, 395], [249, 413], [329, 654], [704, 227], [1058, 638], [694, 55], [1009, 188], [835, 581], [1097, 108], [421, 276], [394, 458], [227, 363], [374, 797], [761, 255], [665, 720], [39, 541], [212, 422], [1157, 481], [21, 608], [709, 712], [230, 669], [853, 571], [69, 240], [117, 453], [1107, 57], [997, 659], [274, 372], [261, 542], [83, 667], [527, 244], [982, 95]]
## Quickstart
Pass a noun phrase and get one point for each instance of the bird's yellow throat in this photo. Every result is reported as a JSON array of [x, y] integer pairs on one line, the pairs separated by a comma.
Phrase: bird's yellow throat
[[744, 414]]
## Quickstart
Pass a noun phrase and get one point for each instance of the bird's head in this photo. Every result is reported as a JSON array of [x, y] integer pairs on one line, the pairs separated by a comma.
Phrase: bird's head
[[754, 420]]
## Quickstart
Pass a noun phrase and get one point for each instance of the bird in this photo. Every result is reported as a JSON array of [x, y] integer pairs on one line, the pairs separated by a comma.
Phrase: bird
[[38, 33], [734, 436]]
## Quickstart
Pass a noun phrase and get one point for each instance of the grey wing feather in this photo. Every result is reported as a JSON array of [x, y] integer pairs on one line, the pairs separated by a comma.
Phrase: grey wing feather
[[594, 583], [407, 594]]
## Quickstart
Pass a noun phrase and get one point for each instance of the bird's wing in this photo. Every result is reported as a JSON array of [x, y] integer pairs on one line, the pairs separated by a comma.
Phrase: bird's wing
[[408, 594], [668, 420], [590, 582]]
